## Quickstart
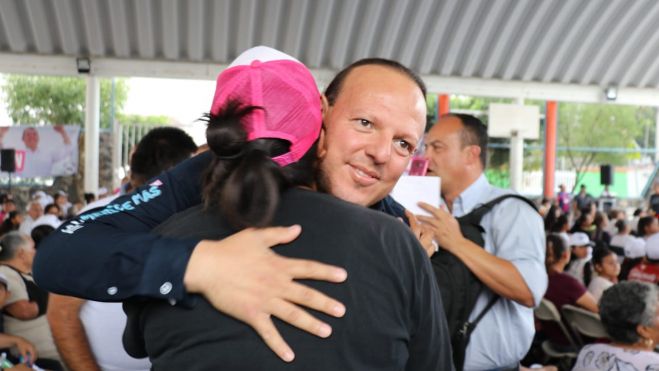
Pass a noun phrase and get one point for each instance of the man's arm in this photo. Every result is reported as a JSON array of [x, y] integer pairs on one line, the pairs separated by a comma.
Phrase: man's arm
[[587, 301], [109, 255], [69, 333], [25, 348], [61, 130], [23, 309], [498, 274]]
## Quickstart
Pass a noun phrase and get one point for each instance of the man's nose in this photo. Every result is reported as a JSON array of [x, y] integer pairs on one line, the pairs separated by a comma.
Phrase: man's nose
[[379, 148]]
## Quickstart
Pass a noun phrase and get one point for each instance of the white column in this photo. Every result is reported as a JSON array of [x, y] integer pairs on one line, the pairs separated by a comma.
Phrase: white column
[[117, 166], [92, 126], [516, 160], [656, 134], [516, 157]]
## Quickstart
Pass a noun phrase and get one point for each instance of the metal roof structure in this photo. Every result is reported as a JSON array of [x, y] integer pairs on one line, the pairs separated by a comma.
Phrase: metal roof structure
[[541, 49]]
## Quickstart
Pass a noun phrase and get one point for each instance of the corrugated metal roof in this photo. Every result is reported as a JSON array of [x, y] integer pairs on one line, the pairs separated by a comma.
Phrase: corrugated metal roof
[[585, 42]]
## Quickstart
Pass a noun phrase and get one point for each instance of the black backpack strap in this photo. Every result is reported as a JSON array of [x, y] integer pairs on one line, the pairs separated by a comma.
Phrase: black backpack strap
[[461, 340], [480, 210], [470, 326]]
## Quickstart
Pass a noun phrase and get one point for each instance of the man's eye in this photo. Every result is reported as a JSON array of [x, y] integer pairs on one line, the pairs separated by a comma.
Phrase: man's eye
[[365, 123], [404, 146]]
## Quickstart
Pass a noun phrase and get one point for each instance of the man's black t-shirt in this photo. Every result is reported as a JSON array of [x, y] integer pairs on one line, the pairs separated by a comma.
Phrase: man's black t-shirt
[[394, 320]]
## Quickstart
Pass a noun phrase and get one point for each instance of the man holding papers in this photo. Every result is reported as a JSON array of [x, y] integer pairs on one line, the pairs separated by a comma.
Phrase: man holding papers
[[510, 265]]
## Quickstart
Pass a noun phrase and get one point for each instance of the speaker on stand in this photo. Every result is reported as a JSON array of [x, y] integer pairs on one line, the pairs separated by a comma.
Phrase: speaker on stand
[[606, 175], [8, 162]]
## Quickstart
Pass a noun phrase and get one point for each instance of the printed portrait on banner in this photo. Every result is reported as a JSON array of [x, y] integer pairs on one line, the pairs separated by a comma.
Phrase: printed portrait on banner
[[42, 151]]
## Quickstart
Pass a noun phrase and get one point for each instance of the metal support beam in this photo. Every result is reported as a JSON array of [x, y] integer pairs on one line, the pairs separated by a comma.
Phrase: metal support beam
[[92, 129], [108, 67]]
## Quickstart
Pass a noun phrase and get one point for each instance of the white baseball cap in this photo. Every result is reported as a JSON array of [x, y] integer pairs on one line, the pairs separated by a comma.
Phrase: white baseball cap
[[580, 239]]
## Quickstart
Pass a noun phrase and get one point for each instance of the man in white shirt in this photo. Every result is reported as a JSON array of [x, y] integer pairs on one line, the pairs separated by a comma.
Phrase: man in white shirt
[[510, 265], [34, 211], [51, 159], [88, 333]]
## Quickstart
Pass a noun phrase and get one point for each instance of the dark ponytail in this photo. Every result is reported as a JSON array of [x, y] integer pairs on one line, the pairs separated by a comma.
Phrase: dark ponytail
[[556, 246], [242, 181]]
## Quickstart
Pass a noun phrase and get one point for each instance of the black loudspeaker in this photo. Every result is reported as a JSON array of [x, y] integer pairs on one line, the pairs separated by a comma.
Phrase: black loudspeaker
[[606, 175], [8, 160]]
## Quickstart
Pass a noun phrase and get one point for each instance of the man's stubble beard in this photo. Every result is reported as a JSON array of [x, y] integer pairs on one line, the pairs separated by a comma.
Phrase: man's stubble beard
[[323, 183]]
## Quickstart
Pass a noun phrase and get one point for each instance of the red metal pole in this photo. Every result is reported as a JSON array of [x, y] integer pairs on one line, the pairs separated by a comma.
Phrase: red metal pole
[[444, 104], [550, 148]]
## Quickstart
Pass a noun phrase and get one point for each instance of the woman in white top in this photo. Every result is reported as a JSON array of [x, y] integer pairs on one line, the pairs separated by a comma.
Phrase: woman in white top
[[24, 312], [629, 314], [605, 264]]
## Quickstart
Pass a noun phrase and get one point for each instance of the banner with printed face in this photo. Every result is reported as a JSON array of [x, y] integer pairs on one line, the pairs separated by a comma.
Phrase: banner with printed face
[[42, 151]]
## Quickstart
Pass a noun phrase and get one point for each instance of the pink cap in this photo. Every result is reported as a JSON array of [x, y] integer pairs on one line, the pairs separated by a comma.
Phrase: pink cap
[[284, 88]]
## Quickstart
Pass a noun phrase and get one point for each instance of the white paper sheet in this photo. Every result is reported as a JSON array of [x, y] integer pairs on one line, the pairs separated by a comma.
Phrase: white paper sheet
[[412, 189]]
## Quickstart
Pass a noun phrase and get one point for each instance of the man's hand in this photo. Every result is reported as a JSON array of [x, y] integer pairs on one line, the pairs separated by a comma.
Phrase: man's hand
[[62, 131], [25, 348], [445, 228], [498, 274], [242, 277], [423, 234]]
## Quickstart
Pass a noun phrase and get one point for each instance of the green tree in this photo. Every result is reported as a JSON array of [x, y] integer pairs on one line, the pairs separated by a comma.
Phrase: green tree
[[585, 127], [154, 120], [58, 100]]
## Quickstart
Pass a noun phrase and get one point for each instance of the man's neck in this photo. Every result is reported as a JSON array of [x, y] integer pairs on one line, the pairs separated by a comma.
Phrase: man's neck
[[18, 265], [451, 195]]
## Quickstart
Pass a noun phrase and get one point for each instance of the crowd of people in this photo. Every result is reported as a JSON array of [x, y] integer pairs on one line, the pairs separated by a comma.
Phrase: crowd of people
[[589, 252], [189, 252], [28, 341]]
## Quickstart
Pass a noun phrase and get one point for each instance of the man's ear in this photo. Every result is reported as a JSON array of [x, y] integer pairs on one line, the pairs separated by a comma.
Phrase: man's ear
[[322, 143], [643, 332], [324, 105], [474, 154]]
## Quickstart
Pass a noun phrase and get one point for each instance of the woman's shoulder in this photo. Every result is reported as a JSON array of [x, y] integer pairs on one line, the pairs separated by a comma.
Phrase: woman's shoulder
[[603, 356], [8, 271]]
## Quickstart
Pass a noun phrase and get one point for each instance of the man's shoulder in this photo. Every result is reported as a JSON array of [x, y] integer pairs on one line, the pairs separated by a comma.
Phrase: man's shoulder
[[509, 198]]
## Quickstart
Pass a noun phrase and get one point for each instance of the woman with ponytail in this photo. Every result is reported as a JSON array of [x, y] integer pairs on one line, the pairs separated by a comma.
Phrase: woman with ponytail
[[264, 128]]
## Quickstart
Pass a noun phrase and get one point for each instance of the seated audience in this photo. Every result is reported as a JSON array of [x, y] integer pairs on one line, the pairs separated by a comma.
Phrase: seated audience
[[605, 264], [25, 309], [579, 266], [629, 313], [563, 288], [634, 254], [647, 270], [601, 236], [561, 228], [53, 209], [34, 211], [12, 222], [8, 205], [615, 215], [584, 223], [623, 232], [26, 351], [647, 226]]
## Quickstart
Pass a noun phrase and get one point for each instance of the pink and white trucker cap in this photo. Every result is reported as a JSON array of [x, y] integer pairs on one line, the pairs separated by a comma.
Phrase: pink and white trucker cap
[[284, 89]]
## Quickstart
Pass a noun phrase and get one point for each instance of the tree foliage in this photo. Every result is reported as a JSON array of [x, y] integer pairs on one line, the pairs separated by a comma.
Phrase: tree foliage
[[154, 120], [58, 100], [589, 126]]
